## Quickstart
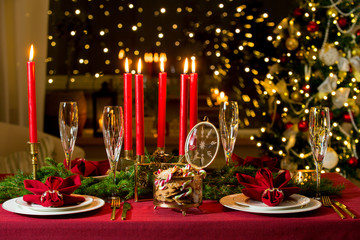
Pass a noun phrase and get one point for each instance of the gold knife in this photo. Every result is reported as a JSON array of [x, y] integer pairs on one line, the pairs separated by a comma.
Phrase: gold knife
[[126, 207], [345, 209]]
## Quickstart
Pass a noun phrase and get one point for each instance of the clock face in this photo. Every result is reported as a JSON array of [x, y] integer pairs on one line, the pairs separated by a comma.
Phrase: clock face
[[202, 145]]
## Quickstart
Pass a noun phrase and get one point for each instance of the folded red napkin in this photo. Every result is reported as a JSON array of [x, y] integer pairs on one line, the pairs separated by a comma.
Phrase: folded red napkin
[[89, 168], [55, 192], [261, 162], [266, 189]]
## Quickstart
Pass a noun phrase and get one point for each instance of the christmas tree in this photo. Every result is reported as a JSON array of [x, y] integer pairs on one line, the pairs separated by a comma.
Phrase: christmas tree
[[230, 39], [317, 62]]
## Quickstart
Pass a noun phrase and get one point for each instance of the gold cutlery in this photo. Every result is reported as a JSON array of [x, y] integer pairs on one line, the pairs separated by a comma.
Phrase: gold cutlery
[[126, 207], [327, 203], [115, 203], [344, 208]]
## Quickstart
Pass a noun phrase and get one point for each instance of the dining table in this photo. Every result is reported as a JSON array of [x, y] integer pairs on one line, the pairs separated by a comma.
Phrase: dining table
[[209, 221]]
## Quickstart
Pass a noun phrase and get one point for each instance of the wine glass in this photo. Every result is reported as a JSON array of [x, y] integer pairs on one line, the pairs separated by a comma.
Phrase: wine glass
[[229, 121], [113, 133], [319, 137], [68, 126]]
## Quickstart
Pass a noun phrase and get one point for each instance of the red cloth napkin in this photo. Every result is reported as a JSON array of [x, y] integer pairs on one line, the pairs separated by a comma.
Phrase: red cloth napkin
[[89, 168], [55, 192], [266, 189], [261, 162]]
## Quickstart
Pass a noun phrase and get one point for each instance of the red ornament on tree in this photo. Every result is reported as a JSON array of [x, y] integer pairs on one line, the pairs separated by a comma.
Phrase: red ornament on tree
[[342, 22], [288, 125], [353, 161], [298, 12], [312, 26], [303, 125], [347, 117], [331, 115], [358, 32]]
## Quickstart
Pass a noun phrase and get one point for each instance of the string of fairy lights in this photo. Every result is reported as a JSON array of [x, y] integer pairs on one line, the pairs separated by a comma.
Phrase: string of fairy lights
[[319, 64], [93, 37]]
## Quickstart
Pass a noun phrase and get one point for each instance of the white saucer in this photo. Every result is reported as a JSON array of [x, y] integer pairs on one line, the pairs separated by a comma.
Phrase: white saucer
[[12, 206], [295, 200], [37, 207], [228, 202]]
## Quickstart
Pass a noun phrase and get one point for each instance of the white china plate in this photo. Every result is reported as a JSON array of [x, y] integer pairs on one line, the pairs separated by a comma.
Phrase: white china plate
[[228, 202], [37, 207], [12, 206], [295, 200]]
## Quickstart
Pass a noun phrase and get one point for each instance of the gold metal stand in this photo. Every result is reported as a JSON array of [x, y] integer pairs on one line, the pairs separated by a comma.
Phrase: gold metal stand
[[34, 149], [140, 158], [129, 154]]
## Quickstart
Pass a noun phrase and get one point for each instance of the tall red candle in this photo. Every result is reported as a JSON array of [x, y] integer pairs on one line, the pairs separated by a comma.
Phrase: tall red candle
[[127, 107], [183, 109], [32, 97], [161, 106], [193, 96], [139, 111]]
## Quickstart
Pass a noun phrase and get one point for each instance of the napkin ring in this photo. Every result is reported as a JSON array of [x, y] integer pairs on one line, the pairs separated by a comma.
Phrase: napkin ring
[[272, 190], [42, 198]]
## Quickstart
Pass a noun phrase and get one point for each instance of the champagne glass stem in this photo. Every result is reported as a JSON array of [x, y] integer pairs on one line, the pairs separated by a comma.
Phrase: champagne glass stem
[[114, 172], [228, 157], [68, 160], [318, 179]]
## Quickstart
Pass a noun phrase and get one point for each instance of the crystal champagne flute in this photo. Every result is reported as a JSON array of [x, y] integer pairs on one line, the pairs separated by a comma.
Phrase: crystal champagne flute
[[229, 121], [113, 133], [319, 137], [68, 126]]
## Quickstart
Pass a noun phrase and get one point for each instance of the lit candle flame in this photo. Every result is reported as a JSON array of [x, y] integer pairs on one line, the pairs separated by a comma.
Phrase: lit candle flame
[[126, 65], [162, 65], [31, 56], [186, 66], [121, 54], [139, 66], [193, 65]]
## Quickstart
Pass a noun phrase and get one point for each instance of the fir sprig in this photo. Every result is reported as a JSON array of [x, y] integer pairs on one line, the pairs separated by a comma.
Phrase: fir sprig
[[217, 184]]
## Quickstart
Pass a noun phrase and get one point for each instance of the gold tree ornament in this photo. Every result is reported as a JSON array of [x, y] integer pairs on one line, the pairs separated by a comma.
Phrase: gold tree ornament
[[355, 51], [291, 43]]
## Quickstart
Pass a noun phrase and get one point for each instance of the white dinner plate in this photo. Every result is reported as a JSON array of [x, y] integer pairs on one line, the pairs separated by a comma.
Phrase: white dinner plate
[[295, 200], [12, 206], [228, 202], [37, 207]]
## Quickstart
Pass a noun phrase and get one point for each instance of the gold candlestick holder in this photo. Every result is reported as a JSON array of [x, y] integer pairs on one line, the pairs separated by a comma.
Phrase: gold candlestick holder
[[129, 155], [34, 149]]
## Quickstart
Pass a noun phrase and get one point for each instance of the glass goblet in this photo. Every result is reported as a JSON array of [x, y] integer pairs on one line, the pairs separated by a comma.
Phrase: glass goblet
[[229, 122], [319, 137], [113, 133], [68, 126]]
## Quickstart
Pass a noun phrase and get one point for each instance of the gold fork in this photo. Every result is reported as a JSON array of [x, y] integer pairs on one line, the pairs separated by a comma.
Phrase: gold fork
[[327, 203], [115, 203]]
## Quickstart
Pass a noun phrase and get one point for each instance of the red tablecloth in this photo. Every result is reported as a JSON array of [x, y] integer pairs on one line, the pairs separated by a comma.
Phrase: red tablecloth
[[210, 221]]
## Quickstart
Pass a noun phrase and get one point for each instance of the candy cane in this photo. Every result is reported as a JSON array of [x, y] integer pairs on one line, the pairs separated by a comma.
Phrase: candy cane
[[202, 172], [187, 193], [189, 174], [185, 184], [168, 177]]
